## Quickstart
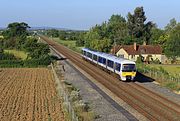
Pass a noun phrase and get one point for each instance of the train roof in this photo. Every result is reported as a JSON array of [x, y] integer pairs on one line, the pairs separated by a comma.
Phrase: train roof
[[109, 56]]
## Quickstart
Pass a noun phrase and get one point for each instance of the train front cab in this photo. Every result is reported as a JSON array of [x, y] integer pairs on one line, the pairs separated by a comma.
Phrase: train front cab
[[128, 72]]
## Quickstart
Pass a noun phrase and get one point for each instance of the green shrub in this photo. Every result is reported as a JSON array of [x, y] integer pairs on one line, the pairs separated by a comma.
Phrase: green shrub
[[162, 70], [7, 56], [11, 63], [139, 59], [171, 85], [156, 61], [42, 62]]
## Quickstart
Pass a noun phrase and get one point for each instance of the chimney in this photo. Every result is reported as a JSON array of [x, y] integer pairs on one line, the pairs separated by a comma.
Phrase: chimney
[[144, 43], [135, 46]]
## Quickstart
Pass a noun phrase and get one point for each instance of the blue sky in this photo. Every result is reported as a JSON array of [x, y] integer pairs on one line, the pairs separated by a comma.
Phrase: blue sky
[[83, 14]]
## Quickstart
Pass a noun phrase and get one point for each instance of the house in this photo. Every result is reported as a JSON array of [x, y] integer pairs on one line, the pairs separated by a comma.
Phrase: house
[[132, 52]]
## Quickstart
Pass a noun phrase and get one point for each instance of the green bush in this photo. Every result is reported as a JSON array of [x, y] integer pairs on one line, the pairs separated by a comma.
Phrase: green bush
[[11, 63], [162, 70], [44, 61], [139, 59], [7, 56], [156, 61]]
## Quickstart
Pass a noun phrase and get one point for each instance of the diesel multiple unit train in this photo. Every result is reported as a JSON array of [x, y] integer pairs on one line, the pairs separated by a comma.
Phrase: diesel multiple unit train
[[125, 69]]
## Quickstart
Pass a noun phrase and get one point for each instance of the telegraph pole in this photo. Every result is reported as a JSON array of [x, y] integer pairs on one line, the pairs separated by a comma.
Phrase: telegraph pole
[[114, 46]]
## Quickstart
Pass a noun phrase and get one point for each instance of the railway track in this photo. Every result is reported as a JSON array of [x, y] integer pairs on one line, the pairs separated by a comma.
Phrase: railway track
[[151, 105]]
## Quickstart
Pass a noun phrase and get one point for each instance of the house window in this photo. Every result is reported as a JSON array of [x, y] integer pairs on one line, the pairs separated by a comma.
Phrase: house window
[[132, 56], [121, 56]]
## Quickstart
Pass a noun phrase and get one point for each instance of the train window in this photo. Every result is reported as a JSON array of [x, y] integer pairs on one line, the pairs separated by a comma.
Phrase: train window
[[89, 55], [128, 67], [118, 66], [110, 63], [95, 57], [84, 53], [104, 61], [100, 59]]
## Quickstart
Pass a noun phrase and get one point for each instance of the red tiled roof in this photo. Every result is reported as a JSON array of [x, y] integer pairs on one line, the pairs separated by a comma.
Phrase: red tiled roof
[[140, 49]]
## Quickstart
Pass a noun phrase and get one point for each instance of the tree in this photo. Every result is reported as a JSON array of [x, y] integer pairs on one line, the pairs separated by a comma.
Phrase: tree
[[157, 36], [16, 30], [53, 33], [172, 50], [39, 50], [93, 34], [15, 35], [30, 45], [81, 39], [136, 26], [103, 45], [163, 39], [62, 35], [117, 29], [36, 50], [171, 25]]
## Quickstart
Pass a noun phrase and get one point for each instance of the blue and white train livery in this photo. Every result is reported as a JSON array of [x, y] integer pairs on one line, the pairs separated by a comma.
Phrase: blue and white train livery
[[125, 69]]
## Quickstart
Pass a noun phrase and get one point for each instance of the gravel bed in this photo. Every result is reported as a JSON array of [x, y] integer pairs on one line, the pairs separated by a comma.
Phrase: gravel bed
[[162, 91]]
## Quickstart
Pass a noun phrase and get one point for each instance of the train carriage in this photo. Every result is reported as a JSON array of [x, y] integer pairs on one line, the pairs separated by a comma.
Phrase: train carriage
[[125, 69]]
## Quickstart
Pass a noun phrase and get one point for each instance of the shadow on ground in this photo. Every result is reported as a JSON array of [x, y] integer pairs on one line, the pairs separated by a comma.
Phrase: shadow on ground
[[143, 78], [57, 58]]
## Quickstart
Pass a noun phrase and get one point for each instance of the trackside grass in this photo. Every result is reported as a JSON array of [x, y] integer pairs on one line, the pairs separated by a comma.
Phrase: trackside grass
[[69, 43], [169, 79], [19, 54], [172, 69]]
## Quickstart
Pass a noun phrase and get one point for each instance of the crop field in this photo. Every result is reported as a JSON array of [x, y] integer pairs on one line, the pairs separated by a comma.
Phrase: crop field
[[29, 94]]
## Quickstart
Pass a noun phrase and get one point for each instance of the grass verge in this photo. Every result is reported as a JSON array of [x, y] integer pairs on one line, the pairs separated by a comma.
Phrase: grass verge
[[69, 43], [18, 54], [163, 77], [172, 69], [82, 109]]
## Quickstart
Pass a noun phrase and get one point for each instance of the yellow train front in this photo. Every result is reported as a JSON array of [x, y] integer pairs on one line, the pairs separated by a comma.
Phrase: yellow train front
[[128, 70]]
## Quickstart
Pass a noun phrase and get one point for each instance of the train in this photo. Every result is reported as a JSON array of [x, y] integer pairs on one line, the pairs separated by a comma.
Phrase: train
[[123, 68]]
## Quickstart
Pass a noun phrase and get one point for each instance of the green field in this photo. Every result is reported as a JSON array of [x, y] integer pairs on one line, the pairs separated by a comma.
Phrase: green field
[[69, 43], [19, 54], [172, 69]]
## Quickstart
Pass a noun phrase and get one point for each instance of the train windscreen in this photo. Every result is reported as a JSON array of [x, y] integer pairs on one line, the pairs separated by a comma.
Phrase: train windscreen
[[128, 67]]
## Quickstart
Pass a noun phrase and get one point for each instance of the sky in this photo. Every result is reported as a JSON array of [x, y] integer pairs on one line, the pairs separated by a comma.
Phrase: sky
[[83, 14]]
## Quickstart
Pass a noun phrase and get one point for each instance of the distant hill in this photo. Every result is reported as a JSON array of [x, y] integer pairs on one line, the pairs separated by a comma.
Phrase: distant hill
[[47, 28], [57, 28], [2, 28]]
